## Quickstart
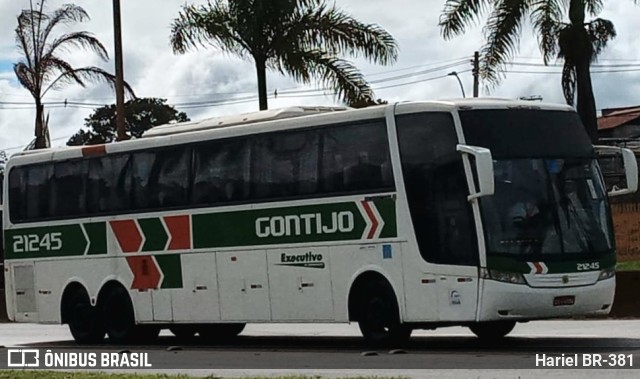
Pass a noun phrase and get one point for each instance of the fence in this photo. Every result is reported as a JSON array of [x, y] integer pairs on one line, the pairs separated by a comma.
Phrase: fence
[[626, 220]]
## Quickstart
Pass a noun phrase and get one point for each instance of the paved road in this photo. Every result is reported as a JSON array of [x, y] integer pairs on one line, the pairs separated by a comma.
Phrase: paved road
[[336, 350]]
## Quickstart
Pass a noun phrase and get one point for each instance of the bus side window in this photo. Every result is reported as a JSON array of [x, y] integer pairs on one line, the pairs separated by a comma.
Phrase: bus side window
[[115, 189], [356, 158], [68, 194], [436, 189], [37, 191], [174, 166], [285, 164], [220, 172], [17, 195]]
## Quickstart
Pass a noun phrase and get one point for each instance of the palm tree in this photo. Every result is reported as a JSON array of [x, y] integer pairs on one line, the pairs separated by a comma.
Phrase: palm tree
[[41, 68], [302, 38], [577, 42]]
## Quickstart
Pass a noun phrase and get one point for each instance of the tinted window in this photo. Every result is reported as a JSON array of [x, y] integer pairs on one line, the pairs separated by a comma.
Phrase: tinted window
[[144, 172], [321, 161], [221, 172], [437, 189], [37, 191], [285, 164], [67, 195], [527, 133], [114, 186], [17, 186], [356, 158], [173, 177]]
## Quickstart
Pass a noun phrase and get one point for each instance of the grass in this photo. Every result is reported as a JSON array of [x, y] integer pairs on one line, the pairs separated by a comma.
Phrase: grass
[[628, 266], [41, 374]]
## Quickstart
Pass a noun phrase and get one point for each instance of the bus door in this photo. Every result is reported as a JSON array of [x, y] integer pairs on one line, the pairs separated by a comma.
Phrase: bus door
[[445, 274]]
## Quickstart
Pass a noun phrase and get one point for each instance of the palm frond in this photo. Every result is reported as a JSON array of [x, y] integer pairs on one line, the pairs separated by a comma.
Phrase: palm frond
[[347, 81], [502, 33], [600, 32], [203, 25], [545, 18], [66, 14], [83, 40], [593, 7], [24, 37], [26, 78], [459, 14], [87, 74], [329, 29], [53, 67]]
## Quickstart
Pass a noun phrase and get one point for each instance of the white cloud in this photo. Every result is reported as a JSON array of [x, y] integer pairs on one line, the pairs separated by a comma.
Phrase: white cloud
[[153, 70]]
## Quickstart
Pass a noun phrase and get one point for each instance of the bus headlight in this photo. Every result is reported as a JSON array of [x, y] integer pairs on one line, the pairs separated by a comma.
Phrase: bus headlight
[[607, 273], [503, 276]]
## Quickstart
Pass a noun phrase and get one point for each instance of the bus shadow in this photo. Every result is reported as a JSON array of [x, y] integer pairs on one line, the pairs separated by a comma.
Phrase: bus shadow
[[415, 344]]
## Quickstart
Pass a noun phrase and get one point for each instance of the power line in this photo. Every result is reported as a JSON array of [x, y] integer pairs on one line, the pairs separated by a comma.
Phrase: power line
[[283, 93]]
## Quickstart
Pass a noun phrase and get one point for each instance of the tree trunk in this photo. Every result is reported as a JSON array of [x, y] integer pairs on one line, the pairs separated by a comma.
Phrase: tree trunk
[[586, 101], [40, 142], [262, 83], [586, 106]]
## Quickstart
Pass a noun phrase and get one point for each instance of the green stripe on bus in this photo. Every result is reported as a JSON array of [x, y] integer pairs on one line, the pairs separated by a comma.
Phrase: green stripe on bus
[[97, 233], [311, 223], [155, 235], [517, 265], [171, 267], [55, 241], [387, 209]]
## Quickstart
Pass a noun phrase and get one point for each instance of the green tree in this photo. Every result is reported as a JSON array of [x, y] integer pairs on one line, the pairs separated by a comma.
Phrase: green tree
[[140, 115], [577, 42], [42, 68], [301, 38]]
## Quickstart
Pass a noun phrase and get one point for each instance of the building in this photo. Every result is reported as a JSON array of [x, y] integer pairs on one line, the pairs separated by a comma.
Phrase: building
[[621, 124]]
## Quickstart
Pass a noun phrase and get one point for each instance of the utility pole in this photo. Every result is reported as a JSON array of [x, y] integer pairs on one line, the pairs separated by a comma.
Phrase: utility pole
[[121, 133], [476, 73]]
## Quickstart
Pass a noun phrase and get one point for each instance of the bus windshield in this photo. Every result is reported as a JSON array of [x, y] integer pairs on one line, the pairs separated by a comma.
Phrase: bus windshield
[[547, 206], [549, 196]]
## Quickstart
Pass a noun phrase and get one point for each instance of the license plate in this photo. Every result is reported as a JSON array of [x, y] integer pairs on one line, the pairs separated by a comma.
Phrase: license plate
[[563, 300]]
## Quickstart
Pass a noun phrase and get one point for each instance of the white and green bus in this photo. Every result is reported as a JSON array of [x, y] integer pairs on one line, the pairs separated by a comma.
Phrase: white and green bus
[[480, 213]]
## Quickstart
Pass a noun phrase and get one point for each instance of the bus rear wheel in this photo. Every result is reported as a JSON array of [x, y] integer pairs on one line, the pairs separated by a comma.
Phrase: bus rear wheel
[[120, 322], [85, 323], [220, 332], [379, 319], [492, 330], [183, 332]]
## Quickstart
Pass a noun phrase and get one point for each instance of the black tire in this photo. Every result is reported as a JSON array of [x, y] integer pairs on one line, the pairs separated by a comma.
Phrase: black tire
[[184, 332], [146, 333], [119, 319], [85, 321], [379, 319], [220, 332], [492, 330]]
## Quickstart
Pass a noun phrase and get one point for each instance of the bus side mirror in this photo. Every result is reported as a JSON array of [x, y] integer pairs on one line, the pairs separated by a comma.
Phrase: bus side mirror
[[484, 169], [630, 168]]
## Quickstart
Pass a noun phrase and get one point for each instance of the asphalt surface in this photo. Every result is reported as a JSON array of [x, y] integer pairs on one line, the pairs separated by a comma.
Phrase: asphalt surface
[[338, 350]]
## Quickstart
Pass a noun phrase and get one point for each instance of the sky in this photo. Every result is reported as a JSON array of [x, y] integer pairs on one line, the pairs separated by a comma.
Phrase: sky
[[207, 75]]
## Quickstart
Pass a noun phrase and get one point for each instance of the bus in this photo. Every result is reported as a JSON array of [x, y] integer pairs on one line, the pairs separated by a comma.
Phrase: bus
[[418, 215]]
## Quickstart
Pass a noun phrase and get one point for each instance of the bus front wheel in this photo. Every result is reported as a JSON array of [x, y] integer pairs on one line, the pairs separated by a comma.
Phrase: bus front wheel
[[492, 330], [84, 319], [379, 319]]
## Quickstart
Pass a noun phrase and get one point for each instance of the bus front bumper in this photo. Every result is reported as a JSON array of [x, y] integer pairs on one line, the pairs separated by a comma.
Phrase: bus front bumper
[[501, 301]]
